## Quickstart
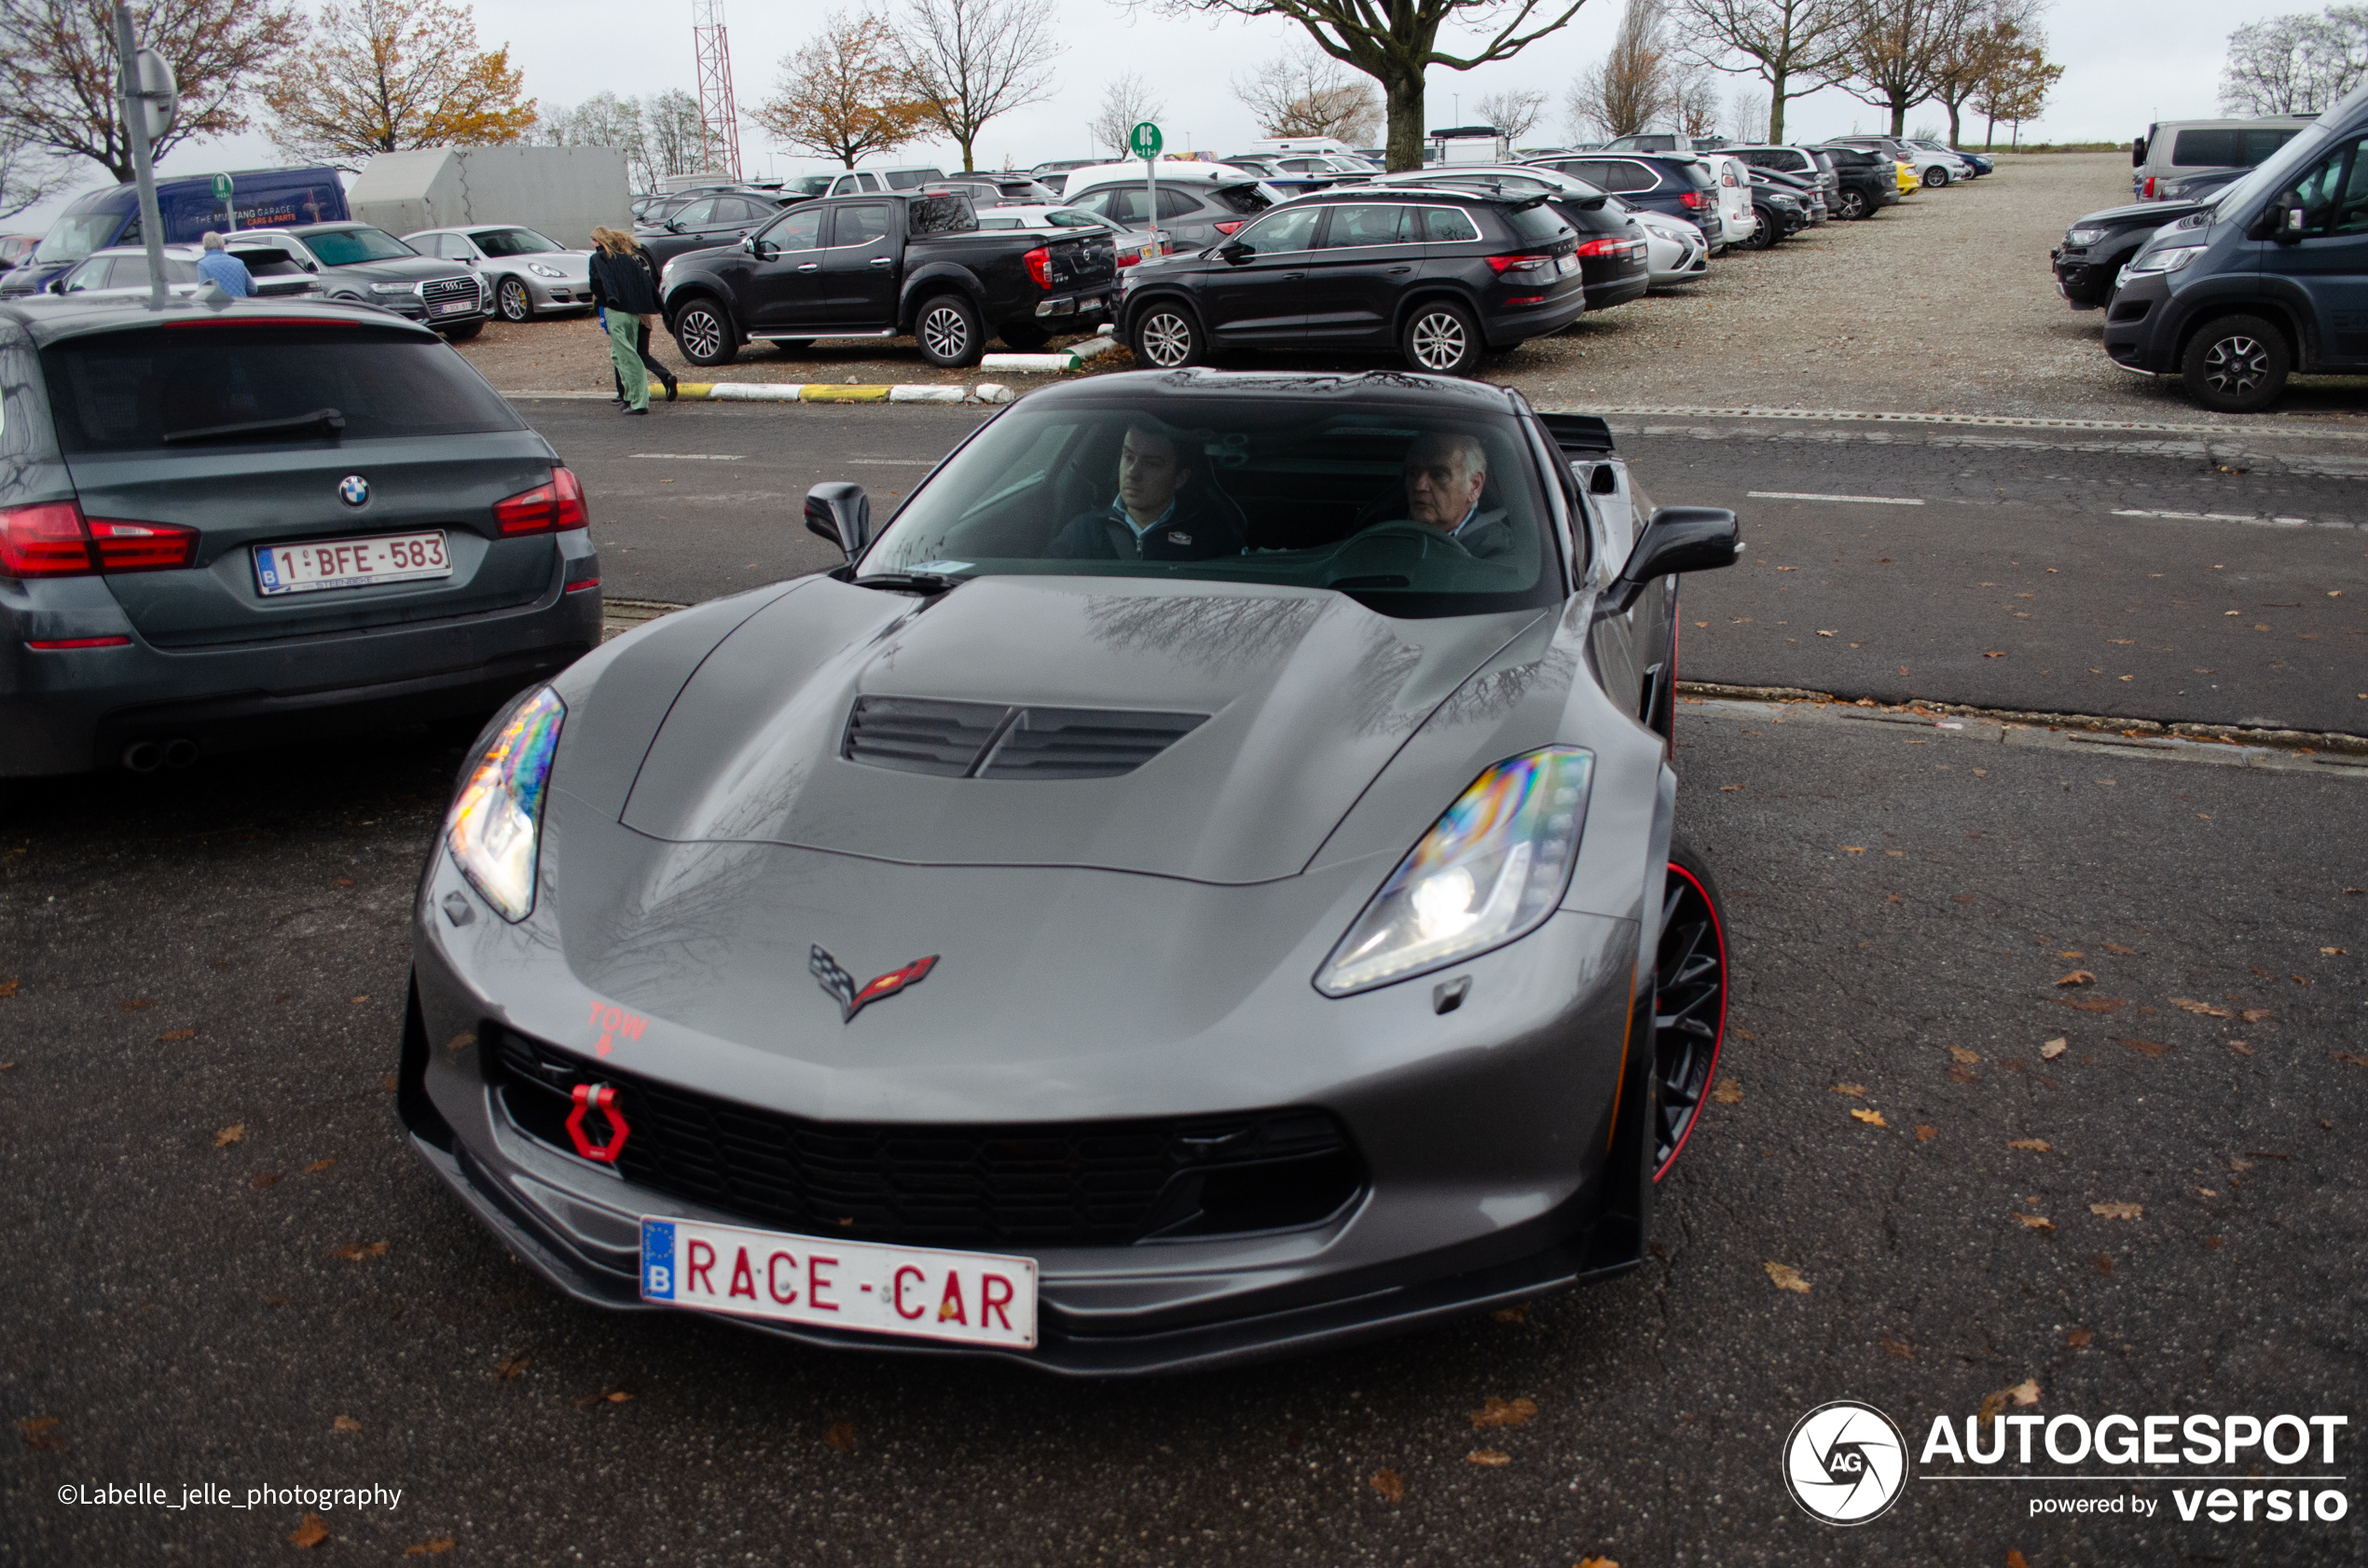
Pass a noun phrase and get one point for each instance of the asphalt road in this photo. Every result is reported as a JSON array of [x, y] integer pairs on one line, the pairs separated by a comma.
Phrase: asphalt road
[[2015, 580], [227, 1267]]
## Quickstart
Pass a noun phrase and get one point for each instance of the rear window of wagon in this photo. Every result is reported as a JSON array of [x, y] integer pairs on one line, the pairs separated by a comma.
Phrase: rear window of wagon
[[126, 392]]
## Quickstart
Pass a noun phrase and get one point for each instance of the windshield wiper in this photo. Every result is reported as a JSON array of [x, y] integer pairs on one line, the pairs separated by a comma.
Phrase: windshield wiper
[[329, 419], [912, 582]]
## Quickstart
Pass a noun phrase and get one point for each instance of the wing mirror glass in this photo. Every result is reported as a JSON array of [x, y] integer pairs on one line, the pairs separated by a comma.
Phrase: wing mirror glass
[[842, 513], [1677, 538], [1235, 252], [2292, 222]]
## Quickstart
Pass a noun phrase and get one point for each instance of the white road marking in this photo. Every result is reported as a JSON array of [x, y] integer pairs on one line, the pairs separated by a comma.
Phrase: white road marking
[[2215, 517], [2261, 426], [694, 456], [894, 463], [1865, 500]]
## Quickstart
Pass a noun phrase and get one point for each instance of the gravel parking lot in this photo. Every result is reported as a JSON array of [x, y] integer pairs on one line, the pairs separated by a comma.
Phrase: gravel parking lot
[[1943, 304]]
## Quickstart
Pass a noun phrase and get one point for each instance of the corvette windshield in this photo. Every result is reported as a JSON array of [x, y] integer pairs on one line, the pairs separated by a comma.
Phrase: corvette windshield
[[1413, 511]]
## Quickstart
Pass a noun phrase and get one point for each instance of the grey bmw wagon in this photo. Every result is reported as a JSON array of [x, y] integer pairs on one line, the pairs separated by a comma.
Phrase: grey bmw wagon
[[219, 522]]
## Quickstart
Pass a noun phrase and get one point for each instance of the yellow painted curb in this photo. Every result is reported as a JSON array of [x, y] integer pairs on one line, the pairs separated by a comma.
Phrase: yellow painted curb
[[819, 393]]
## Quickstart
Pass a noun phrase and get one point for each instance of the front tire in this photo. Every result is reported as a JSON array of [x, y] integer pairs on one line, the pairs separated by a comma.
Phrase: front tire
[[1854, 205], [705, 333], [1689, 1002], [1441, 339], [513, 301], [1936, 177], [1168, 337], [2236, 364], [949, 333]]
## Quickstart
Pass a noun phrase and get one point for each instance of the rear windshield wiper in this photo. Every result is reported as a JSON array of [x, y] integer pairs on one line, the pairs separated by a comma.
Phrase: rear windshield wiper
[[327, 419], [912, 582]]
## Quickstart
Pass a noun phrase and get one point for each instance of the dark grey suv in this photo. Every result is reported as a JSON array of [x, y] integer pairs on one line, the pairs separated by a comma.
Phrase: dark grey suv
[[370, 266], [219, 523]]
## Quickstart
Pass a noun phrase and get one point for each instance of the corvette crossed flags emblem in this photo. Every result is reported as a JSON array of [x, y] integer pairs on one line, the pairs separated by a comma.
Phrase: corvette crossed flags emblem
[[853, 998]]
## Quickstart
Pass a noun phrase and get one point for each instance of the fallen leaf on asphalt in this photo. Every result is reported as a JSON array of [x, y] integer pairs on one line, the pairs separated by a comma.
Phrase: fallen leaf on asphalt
[[345, 882], [601, 1396], [1964, 1075], [2078, 977], [364, 997], [2240, 1048], [1981, 772], [2025, 1392], [310, 1533], [2354, 1057], [1503, 1412], [1857, 1089], [1824, 634], [437, 1548], [262, 1180], [1487, 1456], [1995, 653], [8, 988], [1605, 1561], [2104, 1262], [41, 1432], [2093, 1004], [2256, 1014], [174, 1037], [2078, 1338], [2053, 1049], [2336, 951], [1787, 1277], [230, 1135], [1872, 1118], [2117, 1211], [2037, 1146], [1854, 849], [1993, 1406], [1964, 897], [2015, 1558], [841, 1436], [1518, 1313], [2147, 1047], [137, 1004], [1389, 1484], [509, 1367], [1727, 1092], [2206, 1193], [345, 1423], [2117, 947], [2072, 953], [2201, 1010], [354, 1251], [2211, 1243], [1925, 1134], [390, 1084], [2237, 1162], [2036, 1221], [460, 1041], [2299, 979], [1900, 1348], [318, 1166], [1725, 788], [1967, 1057]]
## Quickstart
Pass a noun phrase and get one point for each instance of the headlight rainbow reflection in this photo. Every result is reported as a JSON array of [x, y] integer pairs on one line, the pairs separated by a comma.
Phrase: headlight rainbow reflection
[[1490, 870], [496, 825]]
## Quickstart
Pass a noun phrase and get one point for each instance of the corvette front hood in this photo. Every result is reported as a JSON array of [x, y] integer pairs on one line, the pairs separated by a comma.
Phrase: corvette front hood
[[1308, 694]]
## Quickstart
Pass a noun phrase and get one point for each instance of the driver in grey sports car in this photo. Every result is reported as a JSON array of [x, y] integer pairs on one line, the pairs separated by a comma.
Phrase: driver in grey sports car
[[1445, 475]]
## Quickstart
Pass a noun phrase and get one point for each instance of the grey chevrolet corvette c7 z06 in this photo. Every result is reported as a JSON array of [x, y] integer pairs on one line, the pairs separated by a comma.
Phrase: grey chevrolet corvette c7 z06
[[1198, 885]]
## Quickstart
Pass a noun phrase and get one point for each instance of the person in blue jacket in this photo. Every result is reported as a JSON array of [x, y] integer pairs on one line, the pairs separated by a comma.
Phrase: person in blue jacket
[[224, 267]]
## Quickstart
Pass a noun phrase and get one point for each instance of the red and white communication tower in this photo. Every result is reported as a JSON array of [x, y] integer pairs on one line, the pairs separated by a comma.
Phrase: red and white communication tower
[[718, 114]]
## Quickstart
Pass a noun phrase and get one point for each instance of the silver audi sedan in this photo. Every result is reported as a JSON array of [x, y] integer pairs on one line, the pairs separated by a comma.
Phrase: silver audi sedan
[[526, 273]]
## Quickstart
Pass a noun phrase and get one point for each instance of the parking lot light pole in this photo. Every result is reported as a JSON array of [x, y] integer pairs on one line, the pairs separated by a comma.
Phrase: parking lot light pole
[[149, 94]]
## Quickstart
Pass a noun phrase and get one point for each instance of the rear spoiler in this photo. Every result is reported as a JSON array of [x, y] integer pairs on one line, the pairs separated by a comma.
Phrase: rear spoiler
[[1578, 435]]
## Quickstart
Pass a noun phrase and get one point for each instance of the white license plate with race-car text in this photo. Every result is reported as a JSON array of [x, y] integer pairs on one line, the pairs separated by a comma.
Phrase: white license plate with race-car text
[[351, 563], [969, 1298]]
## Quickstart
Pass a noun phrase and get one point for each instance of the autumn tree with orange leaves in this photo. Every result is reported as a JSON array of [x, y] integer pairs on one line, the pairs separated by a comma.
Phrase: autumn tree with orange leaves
[[842, 95], [391, 75]]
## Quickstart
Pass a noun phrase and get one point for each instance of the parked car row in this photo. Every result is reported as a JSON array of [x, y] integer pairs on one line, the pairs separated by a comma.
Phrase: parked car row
[[2237, 292]]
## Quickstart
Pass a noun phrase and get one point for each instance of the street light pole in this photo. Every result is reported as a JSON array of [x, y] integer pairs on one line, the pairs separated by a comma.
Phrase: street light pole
[[136, 130]]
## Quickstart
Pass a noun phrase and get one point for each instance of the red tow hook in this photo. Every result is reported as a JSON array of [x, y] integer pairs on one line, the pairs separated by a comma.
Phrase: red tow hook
[[590, 1096]]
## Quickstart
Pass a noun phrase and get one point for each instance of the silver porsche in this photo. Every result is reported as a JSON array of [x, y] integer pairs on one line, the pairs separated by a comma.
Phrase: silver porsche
[[1196, 885]]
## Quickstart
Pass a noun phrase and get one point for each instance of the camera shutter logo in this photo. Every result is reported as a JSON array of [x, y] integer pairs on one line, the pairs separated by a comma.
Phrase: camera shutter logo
[[1845, 1463]]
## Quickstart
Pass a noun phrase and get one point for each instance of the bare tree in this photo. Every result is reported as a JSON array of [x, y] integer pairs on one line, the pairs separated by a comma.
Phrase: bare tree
[[1693, 100], [1396, 42], [1898, 49], [970, 61], [1126, 102], [678, 134], [1747, 116], [1514, 112], [2298, 64], [1619, 95], [27, 174], [1997, 30], [1303, 93], [842, 95], [1792, 46], [601, 120], [58, 71]]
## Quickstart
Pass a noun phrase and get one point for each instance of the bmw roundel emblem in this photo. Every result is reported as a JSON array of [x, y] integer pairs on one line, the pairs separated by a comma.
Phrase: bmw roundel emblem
[[353, 489]]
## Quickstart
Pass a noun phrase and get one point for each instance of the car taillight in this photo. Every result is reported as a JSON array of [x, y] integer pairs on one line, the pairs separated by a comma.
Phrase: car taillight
[[1521, 266], [1226, 226], [544, 509], [56, 540], [1605, 247], [1040, 266], [1690, 198], [2149, 191]]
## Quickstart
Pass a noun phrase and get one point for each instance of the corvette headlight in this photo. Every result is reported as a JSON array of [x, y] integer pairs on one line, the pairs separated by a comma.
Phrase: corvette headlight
[[542, 271], [2169, 260], [496, 825], [1490, 870]]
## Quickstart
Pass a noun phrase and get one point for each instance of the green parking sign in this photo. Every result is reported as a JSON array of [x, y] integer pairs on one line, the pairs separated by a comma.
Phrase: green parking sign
[[1144, 141], [222, 187]]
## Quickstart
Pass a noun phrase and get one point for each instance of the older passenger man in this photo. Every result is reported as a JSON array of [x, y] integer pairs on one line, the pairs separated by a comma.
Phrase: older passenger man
[[1445, 475]]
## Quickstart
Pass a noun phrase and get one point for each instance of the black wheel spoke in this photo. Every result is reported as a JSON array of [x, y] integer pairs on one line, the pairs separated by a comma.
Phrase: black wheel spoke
[[1688, 1006]]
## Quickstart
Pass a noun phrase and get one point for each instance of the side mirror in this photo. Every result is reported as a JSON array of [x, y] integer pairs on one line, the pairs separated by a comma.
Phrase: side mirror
[[842, 513], [2292, 222], [1235, 252], [57, 285], [1677, 538]]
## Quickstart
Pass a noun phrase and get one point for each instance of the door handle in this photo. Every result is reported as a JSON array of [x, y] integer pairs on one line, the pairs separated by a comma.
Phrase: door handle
[[810, 267], [882, 260], [1396, 270], [1293, 277]]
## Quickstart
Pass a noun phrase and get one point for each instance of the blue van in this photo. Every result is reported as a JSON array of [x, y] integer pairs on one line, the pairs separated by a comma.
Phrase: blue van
[[259, 199], [2267, 282]]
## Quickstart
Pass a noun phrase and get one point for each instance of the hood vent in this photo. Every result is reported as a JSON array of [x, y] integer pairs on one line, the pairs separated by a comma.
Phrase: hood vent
[[986, 740]]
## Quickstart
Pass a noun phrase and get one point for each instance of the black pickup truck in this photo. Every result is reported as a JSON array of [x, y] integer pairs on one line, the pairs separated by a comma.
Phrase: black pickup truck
[[882, 266]]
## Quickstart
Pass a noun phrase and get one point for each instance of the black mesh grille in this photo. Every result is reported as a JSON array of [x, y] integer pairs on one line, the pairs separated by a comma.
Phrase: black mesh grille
[[986, 740], [986, 1186], [443, 291]]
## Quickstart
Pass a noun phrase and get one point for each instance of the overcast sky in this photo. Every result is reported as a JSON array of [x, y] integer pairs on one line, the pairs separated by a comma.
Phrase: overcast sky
[[2127, 63]]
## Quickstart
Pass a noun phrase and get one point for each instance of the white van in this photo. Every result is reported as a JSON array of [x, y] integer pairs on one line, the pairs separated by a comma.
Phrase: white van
[[1279, 144], [2179, 149]]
